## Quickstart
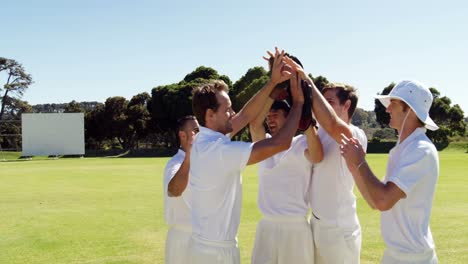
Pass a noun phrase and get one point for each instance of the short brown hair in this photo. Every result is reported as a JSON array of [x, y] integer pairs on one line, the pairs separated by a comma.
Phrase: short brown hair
[[204, 98], [344, 92]]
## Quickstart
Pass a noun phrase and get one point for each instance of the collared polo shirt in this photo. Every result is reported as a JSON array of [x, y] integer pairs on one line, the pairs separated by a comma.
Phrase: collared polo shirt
[[216, 163], [413, 166], [284, 181], [331, 195]]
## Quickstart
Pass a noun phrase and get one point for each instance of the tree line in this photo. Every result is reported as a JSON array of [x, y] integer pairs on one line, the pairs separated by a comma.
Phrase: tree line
[[149, 120]]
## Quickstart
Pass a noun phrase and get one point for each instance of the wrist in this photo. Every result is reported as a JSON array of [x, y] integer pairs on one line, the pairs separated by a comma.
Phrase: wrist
[[274, 93], [273, 82], [310, 130], [358, 166]]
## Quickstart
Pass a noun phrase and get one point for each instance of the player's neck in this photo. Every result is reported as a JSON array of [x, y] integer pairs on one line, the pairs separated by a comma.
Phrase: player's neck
[[407, 130], [183, 147]]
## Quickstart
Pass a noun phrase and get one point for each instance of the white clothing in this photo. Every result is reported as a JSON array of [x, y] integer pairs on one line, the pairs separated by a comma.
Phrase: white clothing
[[177, 215], [391, 257], [177, 245], [284, 181], [203, 251], [335, 225], [283, 235], [283, 240], [216, 163], [176, 209], [335, 244], [413, 166], [332, 196]]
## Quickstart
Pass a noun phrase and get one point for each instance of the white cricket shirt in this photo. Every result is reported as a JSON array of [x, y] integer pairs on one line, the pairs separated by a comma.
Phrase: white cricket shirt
[[176, 209], [284, 181], [216, 163], [331, 195], [413, 166]]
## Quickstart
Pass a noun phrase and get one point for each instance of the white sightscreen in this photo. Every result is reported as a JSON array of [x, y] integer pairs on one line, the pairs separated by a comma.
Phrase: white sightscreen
[[53, 134]]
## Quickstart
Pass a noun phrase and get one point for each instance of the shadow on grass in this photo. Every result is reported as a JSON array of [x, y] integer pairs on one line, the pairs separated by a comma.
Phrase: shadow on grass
[[132, 153]]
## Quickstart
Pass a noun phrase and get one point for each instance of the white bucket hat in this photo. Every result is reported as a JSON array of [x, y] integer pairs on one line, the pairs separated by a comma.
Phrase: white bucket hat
[[417, 96]]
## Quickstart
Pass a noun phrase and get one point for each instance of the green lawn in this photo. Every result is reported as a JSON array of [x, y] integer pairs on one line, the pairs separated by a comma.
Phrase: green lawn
[[109, 210]]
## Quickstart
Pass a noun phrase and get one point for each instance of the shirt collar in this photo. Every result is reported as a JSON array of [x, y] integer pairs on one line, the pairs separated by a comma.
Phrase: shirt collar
[[211, 133], [417, 132]]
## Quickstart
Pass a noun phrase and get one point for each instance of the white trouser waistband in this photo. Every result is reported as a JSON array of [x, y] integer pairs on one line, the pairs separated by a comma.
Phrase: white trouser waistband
[[183, 228], [349, 221], [411, 256], [215, 243], [285, 219]]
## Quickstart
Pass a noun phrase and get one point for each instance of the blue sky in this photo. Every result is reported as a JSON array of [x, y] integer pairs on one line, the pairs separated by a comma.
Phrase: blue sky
[[90, 50]]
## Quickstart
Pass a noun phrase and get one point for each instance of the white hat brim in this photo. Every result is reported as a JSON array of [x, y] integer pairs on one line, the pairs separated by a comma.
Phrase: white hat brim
[[427, 120]]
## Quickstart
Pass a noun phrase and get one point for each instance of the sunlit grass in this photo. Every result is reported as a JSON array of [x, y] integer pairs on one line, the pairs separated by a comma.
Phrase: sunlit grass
[[110, 210]]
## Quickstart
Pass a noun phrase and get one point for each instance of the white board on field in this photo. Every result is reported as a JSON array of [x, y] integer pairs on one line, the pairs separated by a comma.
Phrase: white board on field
[[53, 134]]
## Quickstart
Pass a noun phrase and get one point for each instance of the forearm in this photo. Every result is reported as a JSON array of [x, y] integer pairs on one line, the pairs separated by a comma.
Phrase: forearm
[[326, 116], [257, 130], [179, 182], [253, 107], [371, 188]]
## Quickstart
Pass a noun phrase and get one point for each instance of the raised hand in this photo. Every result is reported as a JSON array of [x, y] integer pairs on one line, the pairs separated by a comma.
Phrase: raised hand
[[353, 152], [280, 71], [295, 67], [189, 145]]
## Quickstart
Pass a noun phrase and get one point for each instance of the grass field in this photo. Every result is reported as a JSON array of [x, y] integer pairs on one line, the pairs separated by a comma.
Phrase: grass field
[[110, 210]]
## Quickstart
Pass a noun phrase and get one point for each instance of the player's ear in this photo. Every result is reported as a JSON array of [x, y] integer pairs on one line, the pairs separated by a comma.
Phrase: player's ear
[[209, 115], [182, 135]]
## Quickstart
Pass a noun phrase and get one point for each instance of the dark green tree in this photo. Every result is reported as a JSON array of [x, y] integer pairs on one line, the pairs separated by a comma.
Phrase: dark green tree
[[73, 107], [360, 117], [11, 124], [170, 102], [382, 117], [252, 81], [116, 119], [385, 133], [95, 127], [319, 81], [448, 118], [202, 72], [138, 118], [17, 81]]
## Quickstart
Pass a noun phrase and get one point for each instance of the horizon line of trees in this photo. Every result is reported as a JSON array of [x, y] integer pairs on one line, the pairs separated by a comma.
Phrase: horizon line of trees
[[149, 120]]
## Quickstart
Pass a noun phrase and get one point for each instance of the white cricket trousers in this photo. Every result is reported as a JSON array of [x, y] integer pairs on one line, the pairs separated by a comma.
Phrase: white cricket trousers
[[177, 244], [202, 251], [335, 245], [392, 257], [283, 240]]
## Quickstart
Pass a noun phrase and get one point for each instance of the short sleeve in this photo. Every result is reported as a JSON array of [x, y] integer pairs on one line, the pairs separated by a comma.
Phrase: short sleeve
[[410, 170], [169, 172], [235, 154], [300, 145], [361, 136]]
